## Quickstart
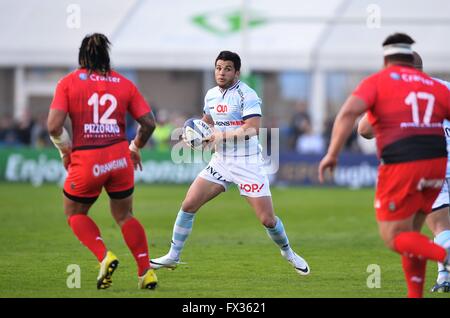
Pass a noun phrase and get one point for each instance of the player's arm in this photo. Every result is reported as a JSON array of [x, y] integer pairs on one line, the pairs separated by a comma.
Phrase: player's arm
[[365, 129], [59, 135], [342, 128], [208, 119], [249, 129], [147, 125]]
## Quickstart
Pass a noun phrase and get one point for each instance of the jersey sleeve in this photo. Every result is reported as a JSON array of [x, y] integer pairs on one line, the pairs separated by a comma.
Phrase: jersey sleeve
[[206, 107], [61, 98], [443, 82], [138, 106], [367, 91], [447, 84], [252, 106], [447, 96]]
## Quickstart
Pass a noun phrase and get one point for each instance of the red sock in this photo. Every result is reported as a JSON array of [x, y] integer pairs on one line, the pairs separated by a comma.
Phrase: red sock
[[88, 233], [414, 244], [414, 269], [135, 237]]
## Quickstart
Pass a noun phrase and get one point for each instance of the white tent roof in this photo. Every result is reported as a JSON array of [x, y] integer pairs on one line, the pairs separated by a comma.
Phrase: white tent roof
[[289, 34]]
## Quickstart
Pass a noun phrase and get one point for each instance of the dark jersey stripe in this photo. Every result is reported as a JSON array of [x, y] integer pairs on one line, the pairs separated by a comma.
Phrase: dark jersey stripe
[[90, 147], [250, 116], [414, 148]]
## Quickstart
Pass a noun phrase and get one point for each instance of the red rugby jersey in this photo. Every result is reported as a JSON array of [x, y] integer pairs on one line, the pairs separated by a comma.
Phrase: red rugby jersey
[[97, 106], [406, 107]]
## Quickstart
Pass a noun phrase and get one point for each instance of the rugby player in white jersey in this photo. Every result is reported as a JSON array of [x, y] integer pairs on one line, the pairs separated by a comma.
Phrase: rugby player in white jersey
[[234, 110], [438, 221]]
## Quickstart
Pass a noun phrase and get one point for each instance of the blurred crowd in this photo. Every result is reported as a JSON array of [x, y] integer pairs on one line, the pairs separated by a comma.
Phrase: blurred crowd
[[31, 131], [25, 131], [297, 135], [164, 136]]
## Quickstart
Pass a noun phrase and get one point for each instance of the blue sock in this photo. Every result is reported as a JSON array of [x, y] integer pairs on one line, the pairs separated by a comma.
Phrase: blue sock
[[181, 230], [442, 239], [278, 235]]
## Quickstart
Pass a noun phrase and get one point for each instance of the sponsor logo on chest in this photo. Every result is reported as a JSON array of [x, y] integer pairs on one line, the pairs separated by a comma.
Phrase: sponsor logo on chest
[[221, 109]]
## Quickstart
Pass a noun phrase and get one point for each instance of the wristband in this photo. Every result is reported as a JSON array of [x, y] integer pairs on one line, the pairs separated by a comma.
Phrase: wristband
[[62, 142], [133, 147]]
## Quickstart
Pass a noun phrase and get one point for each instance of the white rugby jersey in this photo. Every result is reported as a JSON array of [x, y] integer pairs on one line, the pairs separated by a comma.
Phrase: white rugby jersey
[[228, 109], [446, 126]]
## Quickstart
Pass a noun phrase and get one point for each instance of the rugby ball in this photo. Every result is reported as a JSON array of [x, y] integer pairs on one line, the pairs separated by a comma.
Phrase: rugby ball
[[195, 131]]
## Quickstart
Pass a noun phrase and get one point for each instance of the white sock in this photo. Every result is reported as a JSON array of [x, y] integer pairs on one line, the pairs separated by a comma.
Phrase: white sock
[[181, 230], [443, 239]]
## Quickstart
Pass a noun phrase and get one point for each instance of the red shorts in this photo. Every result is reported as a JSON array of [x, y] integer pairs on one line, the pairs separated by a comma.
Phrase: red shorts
[[404, 189], [91, 170]]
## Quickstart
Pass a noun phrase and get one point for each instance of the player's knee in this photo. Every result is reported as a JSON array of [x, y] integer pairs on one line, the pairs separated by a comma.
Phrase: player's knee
[[268, 221], [390, 244], [190, 205], [121, 218], [388, 238], [68, 218], [438, 222], [434, 228], [68, 214]]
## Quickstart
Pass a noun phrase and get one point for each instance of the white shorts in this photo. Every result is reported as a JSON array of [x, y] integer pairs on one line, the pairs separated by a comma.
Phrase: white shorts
[[247, 173], [443, 198]]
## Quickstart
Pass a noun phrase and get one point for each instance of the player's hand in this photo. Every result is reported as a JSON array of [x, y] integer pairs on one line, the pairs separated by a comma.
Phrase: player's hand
[[66, 160], [135, 156], [215, 138], [183, 137], [136, 159], [208, 145], [327, 163]]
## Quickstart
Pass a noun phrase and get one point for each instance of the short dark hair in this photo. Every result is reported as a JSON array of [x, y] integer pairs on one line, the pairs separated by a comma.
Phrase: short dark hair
[[399, 38], [94, 53], [230, 56]]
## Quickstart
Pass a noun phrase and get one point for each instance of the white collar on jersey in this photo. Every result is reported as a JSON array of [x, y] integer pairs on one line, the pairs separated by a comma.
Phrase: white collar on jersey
[[223, 91]]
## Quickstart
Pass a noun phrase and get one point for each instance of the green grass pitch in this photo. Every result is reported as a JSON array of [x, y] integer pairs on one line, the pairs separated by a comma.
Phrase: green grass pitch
[[227, 255]]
